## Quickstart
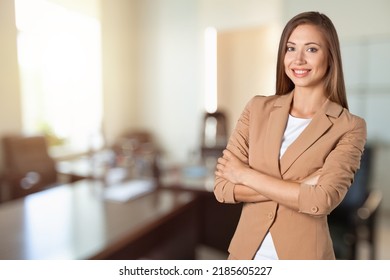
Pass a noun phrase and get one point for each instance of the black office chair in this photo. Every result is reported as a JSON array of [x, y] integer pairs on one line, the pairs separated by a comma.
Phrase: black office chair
[[354, 221]]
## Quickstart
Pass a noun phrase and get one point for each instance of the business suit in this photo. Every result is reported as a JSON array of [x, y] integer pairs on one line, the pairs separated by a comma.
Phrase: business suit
[[331, 146]]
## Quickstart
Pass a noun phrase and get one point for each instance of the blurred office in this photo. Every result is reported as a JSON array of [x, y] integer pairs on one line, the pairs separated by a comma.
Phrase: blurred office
[[130, 83]]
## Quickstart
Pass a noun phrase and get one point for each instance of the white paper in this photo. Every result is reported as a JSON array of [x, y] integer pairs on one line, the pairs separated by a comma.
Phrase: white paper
[[125, 191]]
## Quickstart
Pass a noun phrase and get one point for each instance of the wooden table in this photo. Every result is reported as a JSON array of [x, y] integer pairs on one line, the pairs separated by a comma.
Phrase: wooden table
[[74, 221], [217, 221]]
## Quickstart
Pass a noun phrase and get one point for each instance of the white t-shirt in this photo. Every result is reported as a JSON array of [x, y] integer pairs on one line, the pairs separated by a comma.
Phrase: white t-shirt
[[294, 128]]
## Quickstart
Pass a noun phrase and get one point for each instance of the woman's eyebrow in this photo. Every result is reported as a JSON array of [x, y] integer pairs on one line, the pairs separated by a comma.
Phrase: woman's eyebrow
[[306, 44], [313, 43]]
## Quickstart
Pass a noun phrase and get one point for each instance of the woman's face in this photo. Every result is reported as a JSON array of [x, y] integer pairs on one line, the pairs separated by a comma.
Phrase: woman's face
[[306, 59]]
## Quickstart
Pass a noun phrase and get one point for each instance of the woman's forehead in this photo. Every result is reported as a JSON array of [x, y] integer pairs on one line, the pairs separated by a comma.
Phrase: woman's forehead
[[306, 33]]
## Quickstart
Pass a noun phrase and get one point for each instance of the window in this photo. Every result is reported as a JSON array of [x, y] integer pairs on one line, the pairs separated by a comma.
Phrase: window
[[59, 53], [211, 70]]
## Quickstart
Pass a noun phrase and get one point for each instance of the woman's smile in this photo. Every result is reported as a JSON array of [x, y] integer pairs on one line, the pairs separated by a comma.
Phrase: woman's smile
[[301, 73]]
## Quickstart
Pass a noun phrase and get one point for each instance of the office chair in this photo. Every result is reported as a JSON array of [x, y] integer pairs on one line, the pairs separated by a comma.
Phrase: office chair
[[28, 165], [354, 221], [214, 134]]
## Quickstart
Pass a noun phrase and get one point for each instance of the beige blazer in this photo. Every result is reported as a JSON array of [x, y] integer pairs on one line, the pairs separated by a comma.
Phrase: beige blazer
[[331, 146]]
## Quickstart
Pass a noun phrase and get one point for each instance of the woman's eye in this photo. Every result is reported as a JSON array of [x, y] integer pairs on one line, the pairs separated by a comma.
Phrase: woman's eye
[[290, 49], [313, 50]]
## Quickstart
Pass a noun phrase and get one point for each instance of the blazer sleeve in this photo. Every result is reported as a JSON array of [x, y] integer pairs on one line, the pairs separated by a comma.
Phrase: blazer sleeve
[[238, 145], [337, 173]]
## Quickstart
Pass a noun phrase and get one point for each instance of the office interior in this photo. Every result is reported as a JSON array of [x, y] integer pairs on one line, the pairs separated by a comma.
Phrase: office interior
[[158, 67]]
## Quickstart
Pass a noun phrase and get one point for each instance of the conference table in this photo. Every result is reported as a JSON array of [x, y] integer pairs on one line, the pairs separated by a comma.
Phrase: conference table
[[80, 221]]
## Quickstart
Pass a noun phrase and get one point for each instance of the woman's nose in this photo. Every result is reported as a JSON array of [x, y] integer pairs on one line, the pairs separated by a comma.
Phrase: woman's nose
[[300, 58]]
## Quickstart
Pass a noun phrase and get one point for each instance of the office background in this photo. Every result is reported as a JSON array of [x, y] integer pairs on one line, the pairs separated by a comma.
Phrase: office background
[[153, 66]]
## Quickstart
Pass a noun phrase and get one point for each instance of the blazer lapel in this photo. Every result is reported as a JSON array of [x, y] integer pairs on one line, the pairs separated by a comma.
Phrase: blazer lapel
[[275, 130], [317, 127]]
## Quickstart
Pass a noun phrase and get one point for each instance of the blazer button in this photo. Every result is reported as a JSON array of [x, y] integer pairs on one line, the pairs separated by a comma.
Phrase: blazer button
[[270, 215], [314, 209]]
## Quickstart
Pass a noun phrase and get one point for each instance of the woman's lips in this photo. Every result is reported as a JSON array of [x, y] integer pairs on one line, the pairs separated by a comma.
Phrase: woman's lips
[[300, 72]]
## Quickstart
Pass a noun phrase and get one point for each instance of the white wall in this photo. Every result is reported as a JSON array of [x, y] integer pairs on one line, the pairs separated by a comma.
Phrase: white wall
[[352, 18], [167, 73], [237, 14]]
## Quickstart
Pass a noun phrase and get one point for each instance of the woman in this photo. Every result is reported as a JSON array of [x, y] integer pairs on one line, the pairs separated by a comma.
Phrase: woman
[[293, 155]]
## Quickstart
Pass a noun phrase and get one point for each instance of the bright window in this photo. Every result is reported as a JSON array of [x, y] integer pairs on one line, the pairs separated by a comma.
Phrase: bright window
[[211, 101], [60, 71]]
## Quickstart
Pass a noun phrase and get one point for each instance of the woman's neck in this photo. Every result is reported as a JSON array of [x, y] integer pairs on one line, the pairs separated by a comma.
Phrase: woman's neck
[[306, 103]]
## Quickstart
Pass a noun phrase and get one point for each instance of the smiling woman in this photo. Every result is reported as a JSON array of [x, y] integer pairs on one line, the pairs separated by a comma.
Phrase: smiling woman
[[292, 156], [60, 70]]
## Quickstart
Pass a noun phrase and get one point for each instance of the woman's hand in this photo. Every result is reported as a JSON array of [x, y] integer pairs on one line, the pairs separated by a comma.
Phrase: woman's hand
[[231, 167]]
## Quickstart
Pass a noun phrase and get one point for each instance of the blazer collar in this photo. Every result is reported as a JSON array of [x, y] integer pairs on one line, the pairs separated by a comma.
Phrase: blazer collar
[[275, 130], [320, 123]]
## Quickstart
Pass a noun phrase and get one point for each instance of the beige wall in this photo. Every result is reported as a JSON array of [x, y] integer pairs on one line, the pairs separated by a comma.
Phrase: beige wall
[[10, 104], [246, 67], [118, 67]]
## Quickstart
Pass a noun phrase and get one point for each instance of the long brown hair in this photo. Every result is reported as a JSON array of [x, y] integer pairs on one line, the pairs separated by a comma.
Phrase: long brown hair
[[334, 79]]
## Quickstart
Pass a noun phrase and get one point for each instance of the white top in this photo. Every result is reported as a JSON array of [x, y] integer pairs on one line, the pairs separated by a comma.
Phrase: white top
[[294, 128]]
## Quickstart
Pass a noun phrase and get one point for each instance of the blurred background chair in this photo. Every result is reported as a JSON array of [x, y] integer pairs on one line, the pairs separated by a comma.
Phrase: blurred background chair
[[28, 165], [353, 224], [214, 134]]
